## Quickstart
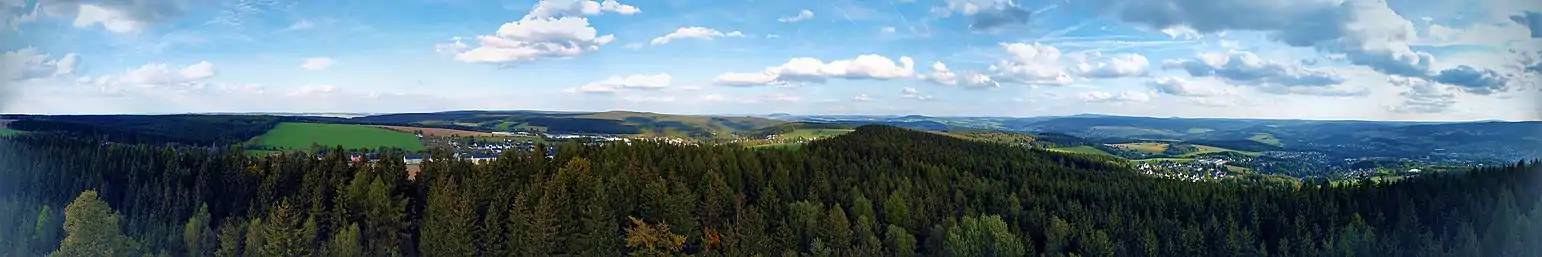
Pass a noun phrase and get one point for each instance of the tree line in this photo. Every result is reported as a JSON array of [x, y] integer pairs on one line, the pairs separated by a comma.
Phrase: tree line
[[878, 191]]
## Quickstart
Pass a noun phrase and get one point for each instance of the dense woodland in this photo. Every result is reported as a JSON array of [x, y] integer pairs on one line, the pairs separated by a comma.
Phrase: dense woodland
[[879, 191]]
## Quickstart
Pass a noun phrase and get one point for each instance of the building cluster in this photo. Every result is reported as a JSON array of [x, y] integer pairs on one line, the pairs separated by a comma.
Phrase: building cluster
[[1198, 170]]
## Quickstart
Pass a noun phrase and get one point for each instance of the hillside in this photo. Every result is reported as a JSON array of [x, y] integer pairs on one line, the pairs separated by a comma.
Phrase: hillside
[[640, 124], [1466, 141]]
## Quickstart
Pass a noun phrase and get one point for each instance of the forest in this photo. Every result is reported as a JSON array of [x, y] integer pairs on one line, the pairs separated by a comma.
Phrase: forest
[[878, 191]]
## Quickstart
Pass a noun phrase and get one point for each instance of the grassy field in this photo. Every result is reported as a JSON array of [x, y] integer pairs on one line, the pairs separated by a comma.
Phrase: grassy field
[[1080, 149], [814, 133], [1266, 138], [1159, 148], [1204, 149], [7, 132], [785, 147], [1156, 148], [293, 135]]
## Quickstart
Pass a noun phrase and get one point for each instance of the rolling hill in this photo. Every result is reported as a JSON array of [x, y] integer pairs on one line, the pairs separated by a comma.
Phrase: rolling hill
[[628, 123]]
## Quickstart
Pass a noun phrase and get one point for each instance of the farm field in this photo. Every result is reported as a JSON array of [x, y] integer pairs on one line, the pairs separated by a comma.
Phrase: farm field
[[1266, 138], [1080, 149], [438, 132], [814, 133], [1144, 147], [7, 132], [1204, 149], [291, 135]]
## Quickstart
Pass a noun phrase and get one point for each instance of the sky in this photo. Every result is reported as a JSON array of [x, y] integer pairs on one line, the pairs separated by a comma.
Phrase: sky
[[1306, 59]]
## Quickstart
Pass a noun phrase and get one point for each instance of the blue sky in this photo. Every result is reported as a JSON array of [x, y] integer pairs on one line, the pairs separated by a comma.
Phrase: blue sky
[[1357, 59]]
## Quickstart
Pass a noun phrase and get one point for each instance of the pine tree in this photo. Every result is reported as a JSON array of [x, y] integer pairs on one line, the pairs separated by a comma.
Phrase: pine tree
[[345, 243], [92, 230], [197, 236], [600, 237], [284, 234], [231, 238], [1057, 236], [448, 222], [899, 242]]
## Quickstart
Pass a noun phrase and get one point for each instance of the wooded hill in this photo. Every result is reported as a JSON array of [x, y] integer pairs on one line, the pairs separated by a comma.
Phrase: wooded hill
[[877, 191]]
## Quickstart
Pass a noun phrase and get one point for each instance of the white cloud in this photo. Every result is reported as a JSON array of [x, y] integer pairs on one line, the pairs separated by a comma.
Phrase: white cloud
[[1183, 87], [111, 19], [811, 70], [314, 91], [1366, 32], [617, 83], [1121, 65], [531, 39], [158, 75], [299, 25], [552, 29], [711, 98], [986, 14], [887, 30], [802, 15], [861, 98], [912, 93], [1105, 97], [555, 8], [943, 76], [316, 63], [1032, 64], [693, 32], [1422, 96], [1247, 68], [28, 63]]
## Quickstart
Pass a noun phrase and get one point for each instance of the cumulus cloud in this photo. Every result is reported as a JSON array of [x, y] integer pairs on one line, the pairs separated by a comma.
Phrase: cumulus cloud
[[554, 8], [1366, 32], [1105, 97], [912, 93], [861, 98], [941, 75], [114, 16], [28, 63], [316, 63], [1473, 80], [811, 70], [1121, 65], [802, 15], [1422, 96], [1532, 20], [531, 39], [986, 14], [1183, 87], [1033, 64], [617, 83], [552, 29], [155, 76], [1247, 68], [693, 32]]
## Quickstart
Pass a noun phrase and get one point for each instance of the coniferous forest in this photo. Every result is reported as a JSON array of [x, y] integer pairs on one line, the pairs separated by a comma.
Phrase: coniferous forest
[[879, 191]]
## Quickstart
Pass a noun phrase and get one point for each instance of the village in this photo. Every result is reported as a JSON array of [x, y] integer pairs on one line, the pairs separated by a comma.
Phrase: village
[[1197, 170]]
